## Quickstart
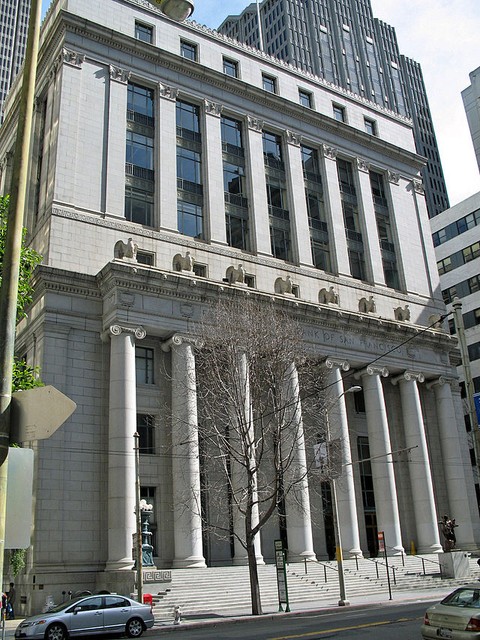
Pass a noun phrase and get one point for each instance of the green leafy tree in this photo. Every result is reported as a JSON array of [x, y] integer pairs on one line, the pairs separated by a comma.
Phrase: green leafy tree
[[29, 259], [24, 376]]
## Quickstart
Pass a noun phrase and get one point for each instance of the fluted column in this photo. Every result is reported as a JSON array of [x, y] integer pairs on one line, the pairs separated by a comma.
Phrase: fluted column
[[426, 520], [297, 500], [185, 455], [244, 443], [388, 519], [455, 461], [122, 424], [338, 421]]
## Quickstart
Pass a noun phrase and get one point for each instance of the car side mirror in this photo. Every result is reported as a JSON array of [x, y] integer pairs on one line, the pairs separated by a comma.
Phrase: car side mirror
[[76, 610]]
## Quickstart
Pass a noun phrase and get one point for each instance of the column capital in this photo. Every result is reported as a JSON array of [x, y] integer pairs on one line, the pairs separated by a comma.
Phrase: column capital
[[406, 376], [213, 108], [178, 339], [329, 152], [372, 370], [167, 92], [439, 382], [254, 124], [336, 363], [118, 74], [362, 165], [117, 329], [293, 138]]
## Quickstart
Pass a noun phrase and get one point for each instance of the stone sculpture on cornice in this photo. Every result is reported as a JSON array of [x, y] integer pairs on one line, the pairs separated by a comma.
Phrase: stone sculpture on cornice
[[328, 296], [183, 263]]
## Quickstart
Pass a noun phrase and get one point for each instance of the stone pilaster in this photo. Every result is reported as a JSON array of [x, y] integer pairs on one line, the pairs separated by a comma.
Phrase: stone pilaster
[[345, 486], [388, 519], [185, 454], [122, 425], [426, 520], [297, 500]]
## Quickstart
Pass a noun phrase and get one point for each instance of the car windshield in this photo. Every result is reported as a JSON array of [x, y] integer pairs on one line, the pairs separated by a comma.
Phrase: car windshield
[[64, 605], [466, 597]]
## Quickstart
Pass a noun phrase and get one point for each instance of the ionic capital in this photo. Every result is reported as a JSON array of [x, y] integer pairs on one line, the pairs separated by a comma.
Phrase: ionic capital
[[372, 370], [407, 376], [116, 330], [439, 382], [179, 339], [336, 363]]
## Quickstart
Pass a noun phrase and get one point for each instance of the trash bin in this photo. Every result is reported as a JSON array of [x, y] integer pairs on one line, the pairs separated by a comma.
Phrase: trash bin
[[148, 599]]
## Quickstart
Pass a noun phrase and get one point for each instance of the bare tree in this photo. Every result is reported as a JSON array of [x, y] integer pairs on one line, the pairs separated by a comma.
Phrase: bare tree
[[254, 378]]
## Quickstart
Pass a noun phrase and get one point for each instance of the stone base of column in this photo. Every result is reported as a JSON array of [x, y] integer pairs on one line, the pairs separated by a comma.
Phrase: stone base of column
[[120, 565], [433, 548], [308, 556], [242, 561], [194, 562], [351, 554], [122, 581], [395, 551]]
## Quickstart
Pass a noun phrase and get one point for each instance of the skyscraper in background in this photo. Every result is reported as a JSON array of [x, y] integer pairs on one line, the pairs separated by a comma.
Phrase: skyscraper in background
[[341, 42], [14, 15]]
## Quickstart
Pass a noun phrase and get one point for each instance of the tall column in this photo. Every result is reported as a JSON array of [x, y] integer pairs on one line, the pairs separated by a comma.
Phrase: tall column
[[165, 151], [455, 461], [334, 210], [245, 440], [297, 500], [297, 201], [187, 515], [426, 520], [338, 421], [388, 519], [214, 196], [373, 255], [259, 219], [122, 424], [113, 192]]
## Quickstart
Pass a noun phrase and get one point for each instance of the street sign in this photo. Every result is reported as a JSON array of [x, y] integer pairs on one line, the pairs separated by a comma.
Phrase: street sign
[[18, 521], [476, 402], [38, 413]]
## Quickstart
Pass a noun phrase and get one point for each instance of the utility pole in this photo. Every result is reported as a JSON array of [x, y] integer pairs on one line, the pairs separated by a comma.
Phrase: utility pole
[[467, 374], [13, 245], [138, 515]]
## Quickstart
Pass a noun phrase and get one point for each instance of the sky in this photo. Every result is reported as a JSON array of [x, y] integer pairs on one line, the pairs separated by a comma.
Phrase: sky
[[443, 36]]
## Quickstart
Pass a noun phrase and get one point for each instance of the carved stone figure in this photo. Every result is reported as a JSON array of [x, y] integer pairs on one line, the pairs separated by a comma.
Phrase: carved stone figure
[[367, 305], [328, 296], [448, 526], [402, 314], [284, 286], [183, 263], [126, 251], [236, 276], [435, 321]]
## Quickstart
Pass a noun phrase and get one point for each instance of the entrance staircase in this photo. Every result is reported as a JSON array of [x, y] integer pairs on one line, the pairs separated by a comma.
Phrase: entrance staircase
[[226, 590]]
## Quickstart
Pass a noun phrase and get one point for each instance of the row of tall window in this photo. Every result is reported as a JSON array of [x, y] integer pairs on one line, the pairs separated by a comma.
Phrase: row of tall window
[[140, 183], [456, 228]]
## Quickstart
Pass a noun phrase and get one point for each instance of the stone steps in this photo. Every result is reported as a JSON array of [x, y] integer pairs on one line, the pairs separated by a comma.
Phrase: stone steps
[[222, 590]]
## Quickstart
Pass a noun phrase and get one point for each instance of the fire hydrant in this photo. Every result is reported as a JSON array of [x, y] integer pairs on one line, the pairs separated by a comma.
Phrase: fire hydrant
[[177, 615]]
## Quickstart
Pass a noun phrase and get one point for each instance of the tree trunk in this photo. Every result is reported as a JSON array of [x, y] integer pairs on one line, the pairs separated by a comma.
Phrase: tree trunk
[[253, 572]]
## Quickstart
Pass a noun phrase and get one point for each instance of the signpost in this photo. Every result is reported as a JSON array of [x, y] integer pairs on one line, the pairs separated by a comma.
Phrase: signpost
[[383, 549], [281, 576]]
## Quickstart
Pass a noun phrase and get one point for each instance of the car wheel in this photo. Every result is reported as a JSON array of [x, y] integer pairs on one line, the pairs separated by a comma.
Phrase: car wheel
[[56, 631], [134, 628]]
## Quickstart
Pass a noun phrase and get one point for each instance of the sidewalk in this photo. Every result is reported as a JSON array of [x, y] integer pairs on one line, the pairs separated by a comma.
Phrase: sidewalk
[[207, 618]]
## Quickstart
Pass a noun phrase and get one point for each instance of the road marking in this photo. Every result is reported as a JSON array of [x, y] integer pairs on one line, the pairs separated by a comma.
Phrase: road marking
[[337, 629]]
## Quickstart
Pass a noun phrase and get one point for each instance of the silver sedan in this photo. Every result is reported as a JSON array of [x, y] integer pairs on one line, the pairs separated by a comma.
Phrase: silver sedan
[[89, 615], [456, 617]]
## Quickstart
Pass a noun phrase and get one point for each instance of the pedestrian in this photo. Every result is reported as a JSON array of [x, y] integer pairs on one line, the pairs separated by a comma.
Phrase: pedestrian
[[11, 602]]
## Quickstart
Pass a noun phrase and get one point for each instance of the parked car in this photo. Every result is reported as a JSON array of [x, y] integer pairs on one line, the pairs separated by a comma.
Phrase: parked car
[[91, 614], [456, 617]]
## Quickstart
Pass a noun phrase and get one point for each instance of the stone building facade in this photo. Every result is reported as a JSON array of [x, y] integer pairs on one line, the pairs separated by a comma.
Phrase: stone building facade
[[168, 173]]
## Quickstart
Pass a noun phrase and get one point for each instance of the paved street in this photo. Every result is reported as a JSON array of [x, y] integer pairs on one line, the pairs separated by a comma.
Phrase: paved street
[[372, 622]]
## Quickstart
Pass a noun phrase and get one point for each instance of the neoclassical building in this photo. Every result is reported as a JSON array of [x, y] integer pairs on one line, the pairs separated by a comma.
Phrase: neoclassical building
[[172, 167]]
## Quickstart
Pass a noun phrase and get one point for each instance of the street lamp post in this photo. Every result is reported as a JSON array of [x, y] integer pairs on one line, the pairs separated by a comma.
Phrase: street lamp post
[[336, 525]]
